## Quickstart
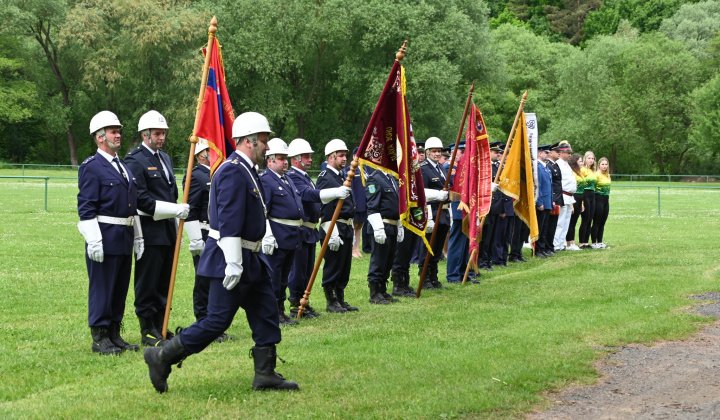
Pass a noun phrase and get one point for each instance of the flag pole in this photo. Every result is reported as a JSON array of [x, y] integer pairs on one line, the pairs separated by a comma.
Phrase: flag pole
[[507, 145], [467, 268], [191, 161], [445, 188], [348, 183]]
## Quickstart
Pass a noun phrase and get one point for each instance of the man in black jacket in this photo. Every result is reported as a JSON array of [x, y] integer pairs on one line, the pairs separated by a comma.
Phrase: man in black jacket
[[157, 197]]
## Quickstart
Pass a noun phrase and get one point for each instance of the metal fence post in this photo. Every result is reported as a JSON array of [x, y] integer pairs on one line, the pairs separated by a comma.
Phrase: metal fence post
[[658, 201], [46, 188]]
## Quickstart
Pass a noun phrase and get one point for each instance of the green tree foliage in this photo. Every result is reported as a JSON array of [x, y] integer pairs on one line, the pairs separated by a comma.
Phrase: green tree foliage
[[629, 99], [568, 20], [694, 25], [705, 116]]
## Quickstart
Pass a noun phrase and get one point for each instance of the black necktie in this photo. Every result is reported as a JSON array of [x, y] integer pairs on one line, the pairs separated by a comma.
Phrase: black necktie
[[162, 165], [116, 161], [284, 178]]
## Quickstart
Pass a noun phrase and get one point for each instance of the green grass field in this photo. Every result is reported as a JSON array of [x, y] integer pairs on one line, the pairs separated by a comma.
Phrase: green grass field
[[487, 351]]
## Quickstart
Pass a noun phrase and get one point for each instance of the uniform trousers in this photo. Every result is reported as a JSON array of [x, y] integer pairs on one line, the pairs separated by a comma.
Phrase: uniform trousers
[[302, 268], [336, 270], [109, 283], [543, 217], [458, 248], [254, 294], [201, 288], [503, 234], [403, 253], [587, 216], [281, 262], [381, 259], [519, 236], [563, 224], [437, 247], [551, 226], [488, 233], [602, 209], [152, 280], [577, 209]]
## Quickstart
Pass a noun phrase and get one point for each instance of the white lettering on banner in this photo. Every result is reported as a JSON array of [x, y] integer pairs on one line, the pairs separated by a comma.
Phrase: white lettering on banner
[[532, 132]]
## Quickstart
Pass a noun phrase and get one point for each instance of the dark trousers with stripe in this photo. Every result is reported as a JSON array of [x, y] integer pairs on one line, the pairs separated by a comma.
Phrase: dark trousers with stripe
[[302, 268], [152, 280], [109, 283]]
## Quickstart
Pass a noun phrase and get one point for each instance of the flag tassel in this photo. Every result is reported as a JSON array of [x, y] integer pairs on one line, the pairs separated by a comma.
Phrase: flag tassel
[[191, 161]]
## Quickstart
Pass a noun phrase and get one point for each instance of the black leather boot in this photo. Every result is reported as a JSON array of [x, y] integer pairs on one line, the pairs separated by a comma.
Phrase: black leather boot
[[161, 359], [158, 321], [101, 341], [376, 295], [285, 320], [340, 297], [398, 285], [427, 284], [385, 294], [150, 336], [295, 308], [406, 285], [265, 375], [433, 277], [332, 304], [117, 340]]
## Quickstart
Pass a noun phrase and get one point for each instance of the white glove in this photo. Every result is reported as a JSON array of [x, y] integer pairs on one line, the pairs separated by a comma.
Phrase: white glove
[[268, 242], [493, 187], [138, 242], [165, 210], [90, 230], [196, 242], [378, 227], [401, 232], [330, 194], [435, 195], [334, 243], [232, 249], [430, 226]]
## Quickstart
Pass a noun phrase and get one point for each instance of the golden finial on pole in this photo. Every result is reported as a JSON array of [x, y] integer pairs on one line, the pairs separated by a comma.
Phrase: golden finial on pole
[[401, 54], [213, 26]]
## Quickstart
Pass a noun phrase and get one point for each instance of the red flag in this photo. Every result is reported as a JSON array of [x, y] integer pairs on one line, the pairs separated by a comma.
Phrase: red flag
[[216, 113], [472, 180], [389, 145]]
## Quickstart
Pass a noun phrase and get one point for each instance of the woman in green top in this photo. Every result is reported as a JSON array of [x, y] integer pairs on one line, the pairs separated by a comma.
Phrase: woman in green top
[[575, 163], [602, 203], [588, 171]]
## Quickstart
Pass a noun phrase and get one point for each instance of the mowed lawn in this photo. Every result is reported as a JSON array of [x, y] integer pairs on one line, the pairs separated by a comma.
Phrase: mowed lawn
[[476, 351]]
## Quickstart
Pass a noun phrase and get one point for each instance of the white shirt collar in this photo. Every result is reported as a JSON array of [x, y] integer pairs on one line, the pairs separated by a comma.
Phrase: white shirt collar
[[106, 155], [148, 147], [333, 169], [246, 158], [276, 174], [294, 168], [202, 164]]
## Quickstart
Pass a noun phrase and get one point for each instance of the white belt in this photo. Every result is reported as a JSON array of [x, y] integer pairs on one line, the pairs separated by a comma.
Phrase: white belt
[[126, 221], [252, 246], [204, 225], [348, 222], [287, 222], [310, 225], [390, 222], [446, 206]]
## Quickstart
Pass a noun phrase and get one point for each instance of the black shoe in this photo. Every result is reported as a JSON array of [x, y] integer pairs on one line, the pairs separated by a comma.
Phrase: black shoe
[[224, 337], [158, 321], [586, 246], [160, 361], [117, 340], [150, 336], [340, 298], [522, 259], [295, 308], [376, 295], [102, 343], [333, 305], [286, 321], [385, 294], [265, 359]]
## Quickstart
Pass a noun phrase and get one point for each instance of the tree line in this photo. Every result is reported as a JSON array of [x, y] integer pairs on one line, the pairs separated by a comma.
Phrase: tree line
[[634, 80]]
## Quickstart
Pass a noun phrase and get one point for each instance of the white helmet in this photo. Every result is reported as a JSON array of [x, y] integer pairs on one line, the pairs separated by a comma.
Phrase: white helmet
[[200, 147], [152, 119], [335, 145], [104, 119], [250, 123], [299, 147], [433, 143], [277, 146]]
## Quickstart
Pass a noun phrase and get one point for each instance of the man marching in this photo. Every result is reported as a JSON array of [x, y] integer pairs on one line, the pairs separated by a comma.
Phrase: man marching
[[300, 154], [107, 203], [157, 197], [238, 273]]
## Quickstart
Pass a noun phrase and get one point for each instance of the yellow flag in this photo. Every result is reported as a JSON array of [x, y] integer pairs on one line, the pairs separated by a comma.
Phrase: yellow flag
[[516, 179]]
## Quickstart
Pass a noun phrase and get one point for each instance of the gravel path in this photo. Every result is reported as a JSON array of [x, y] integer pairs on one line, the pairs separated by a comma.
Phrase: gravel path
[[670, 380]]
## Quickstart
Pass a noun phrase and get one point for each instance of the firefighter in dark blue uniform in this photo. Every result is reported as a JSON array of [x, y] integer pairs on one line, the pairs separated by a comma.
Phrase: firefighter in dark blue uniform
[[381, 191], [236, 269], [503, 229], [543, 202], [107, 206], [496, 207], [157, 196], [285, 218], [197, 228], [338, 258], [557, 196], [434, 177], [300, 154]]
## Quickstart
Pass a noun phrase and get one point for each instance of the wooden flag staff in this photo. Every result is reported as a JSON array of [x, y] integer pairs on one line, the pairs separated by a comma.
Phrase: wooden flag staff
[[191, 161], [445, 188], [348, 183]]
